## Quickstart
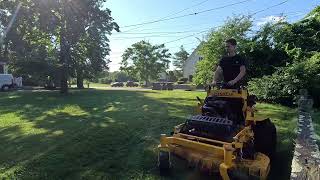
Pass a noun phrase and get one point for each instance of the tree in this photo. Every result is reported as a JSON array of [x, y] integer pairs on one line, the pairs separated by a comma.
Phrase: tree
[[71, 38], [300, 42], [263, 54], [174, 75], [145, 61], [180, 58], [120, 76]]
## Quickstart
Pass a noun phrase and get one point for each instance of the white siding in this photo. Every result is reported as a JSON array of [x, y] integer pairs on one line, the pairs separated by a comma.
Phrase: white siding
[[4, 67], [189, 67]]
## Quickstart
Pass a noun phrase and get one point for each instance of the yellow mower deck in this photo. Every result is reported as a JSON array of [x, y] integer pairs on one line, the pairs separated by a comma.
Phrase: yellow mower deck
[[215, 155]]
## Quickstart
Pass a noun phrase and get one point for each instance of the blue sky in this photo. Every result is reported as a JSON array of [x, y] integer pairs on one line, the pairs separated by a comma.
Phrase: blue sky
[[188, 29]]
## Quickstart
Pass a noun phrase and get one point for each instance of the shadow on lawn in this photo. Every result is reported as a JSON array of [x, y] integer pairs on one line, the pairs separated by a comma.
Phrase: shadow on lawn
[[99, 134], [90, 133]]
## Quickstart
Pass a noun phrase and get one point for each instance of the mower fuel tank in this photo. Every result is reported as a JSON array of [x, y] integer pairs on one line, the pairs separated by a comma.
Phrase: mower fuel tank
[[216, 128]]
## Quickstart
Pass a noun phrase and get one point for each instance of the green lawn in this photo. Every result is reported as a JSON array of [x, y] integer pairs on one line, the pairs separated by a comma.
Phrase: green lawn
[[105, 134]]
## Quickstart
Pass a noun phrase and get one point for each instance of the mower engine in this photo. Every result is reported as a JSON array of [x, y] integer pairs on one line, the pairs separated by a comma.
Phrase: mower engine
[[218, 128], [230, 109]]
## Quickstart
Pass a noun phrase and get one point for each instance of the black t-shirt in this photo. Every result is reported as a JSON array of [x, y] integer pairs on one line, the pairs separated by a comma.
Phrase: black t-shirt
[[231, 66]]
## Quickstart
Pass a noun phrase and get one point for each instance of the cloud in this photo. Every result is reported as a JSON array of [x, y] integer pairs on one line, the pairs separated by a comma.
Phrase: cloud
[[271, 19]]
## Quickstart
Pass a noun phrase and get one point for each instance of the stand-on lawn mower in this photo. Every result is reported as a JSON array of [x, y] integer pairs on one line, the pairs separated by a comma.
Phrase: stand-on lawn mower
[[225, 137]]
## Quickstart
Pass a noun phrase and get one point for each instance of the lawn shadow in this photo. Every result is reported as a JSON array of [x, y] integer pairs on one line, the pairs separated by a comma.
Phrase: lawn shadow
[[104, 134], [89, 133]]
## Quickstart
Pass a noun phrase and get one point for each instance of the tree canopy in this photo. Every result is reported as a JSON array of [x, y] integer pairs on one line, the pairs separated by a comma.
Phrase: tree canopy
[[58, 38], [145, 61]]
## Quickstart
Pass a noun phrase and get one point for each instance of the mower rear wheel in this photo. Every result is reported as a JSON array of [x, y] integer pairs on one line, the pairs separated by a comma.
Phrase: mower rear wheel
[[164, 162], [265, 138]]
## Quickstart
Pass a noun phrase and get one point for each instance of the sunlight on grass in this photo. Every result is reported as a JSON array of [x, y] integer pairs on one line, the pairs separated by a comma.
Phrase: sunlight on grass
[[104, 133]]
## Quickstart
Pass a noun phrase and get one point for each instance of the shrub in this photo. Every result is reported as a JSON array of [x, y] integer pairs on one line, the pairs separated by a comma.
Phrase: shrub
[[283, 85]]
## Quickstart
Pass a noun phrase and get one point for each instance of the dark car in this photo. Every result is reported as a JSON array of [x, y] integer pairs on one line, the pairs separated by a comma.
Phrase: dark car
[[132, 84], [117, 84]]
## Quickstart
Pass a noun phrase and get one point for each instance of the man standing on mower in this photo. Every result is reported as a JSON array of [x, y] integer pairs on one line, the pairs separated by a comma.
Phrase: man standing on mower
[[231, 67]]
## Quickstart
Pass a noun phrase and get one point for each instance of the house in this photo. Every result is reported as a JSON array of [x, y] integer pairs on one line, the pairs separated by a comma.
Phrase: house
[[189, 67], [3, 68]]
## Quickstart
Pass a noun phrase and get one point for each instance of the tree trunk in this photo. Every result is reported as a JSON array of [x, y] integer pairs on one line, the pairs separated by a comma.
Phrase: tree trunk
[[147, 81], [79, 80], [64, 53]]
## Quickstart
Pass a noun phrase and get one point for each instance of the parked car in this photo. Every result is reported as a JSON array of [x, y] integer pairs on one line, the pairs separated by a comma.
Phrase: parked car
[[117, 84], [6, 82], [132, 84]]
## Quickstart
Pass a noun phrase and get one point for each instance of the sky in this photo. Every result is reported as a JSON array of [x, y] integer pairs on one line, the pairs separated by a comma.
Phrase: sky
[[179, 25]]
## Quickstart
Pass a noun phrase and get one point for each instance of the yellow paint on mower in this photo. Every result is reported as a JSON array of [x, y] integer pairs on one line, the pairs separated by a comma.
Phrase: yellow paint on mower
[[216, 155]]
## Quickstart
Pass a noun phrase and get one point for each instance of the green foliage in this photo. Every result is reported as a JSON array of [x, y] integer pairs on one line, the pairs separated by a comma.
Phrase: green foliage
[[116, 76], [284, 85], [262, 53], [71, 38], [121, 76], [300, 42], [145, 61], [174, 75]]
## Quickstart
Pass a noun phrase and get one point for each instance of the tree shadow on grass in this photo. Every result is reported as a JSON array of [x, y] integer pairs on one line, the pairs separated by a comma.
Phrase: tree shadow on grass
[[101, 134], [90, 133]]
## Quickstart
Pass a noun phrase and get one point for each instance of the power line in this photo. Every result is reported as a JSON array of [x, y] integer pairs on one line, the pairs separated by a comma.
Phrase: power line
[[187, 8], [269, 7], [211, 10], [185, 15], [185, 37], [170, 14], [166, 34], [180, 26], [141, 37], [184, 45], [163, 32], [220, 26]]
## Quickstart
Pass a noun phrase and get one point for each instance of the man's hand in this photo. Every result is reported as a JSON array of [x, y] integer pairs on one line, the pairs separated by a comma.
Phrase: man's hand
[[232, 82]]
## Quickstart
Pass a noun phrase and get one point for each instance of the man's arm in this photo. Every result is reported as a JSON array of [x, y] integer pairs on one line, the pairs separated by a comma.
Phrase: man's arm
[[239, 77], [218, 76]]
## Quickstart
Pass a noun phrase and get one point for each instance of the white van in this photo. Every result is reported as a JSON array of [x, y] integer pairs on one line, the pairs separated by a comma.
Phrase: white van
[[6, 82]]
